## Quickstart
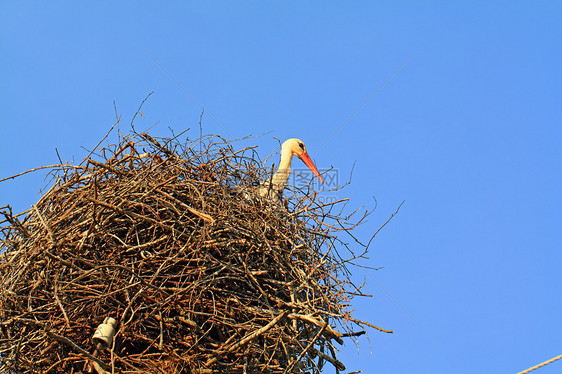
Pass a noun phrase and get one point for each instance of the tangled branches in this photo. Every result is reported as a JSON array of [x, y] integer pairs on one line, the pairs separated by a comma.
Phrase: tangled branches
[[200, 274]]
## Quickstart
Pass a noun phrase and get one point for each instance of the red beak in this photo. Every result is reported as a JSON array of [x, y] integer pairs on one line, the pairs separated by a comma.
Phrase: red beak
[[306, 159]]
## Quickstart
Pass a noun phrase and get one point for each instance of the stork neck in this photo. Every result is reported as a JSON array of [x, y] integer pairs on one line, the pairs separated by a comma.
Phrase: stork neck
[[281, 176]]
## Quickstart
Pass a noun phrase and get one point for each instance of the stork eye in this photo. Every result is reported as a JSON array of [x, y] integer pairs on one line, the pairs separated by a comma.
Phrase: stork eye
[[302, 146]]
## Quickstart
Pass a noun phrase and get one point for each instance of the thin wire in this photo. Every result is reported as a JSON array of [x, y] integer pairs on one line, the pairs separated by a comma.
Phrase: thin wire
[[391, 297], [541, 364], [366, 101]]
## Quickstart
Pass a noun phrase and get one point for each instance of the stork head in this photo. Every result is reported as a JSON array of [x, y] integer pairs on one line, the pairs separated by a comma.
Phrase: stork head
[[297, 148]]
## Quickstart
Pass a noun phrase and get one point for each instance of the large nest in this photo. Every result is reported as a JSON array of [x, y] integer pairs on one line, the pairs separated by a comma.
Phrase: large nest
[[200, 274]]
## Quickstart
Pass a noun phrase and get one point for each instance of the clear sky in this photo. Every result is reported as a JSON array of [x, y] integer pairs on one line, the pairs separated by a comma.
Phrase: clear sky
[[454, 107]]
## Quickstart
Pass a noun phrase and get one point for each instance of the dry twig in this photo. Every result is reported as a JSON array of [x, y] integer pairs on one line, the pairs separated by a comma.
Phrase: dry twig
[[201, 277]]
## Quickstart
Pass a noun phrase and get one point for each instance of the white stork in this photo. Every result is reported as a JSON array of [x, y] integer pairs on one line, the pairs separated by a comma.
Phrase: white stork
[[291, 147]]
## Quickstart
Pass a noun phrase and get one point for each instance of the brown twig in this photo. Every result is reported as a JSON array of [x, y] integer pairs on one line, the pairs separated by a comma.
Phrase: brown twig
[[170, 240]]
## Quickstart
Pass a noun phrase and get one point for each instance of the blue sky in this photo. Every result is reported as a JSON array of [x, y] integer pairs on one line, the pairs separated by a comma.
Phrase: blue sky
[[454, 107]]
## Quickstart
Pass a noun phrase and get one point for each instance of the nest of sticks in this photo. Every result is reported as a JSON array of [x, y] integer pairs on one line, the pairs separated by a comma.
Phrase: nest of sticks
[[152, 257]]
